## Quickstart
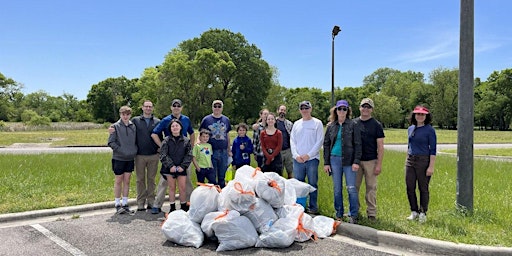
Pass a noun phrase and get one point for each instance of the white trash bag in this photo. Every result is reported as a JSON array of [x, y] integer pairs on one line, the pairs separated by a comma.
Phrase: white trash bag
[[203, 200], [237, 196], [234, 234], [324, 226], [248, 175], [212, 217], [302, 189], [271, 188], [178, 228], [280, 235], [261, 215]]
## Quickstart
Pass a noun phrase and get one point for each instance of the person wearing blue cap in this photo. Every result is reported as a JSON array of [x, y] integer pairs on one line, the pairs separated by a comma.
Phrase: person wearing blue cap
[[342, 156]]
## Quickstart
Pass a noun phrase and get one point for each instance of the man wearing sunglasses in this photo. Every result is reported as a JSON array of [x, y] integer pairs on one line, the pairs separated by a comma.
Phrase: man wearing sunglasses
[[372, 137], [219, 127], [163, 127], [306, 138]]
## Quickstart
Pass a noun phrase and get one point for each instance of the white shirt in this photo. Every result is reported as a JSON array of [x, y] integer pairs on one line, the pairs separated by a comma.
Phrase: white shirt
[[307, 138]]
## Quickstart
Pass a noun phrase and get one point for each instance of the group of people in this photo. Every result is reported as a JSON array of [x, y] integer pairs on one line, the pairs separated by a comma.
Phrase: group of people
[[353, 148]]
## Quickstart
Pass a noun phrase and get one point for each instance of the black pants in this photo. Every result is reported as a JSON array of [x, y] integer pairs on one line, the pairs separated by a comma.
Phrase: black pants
[[416, 173], [275, 166]]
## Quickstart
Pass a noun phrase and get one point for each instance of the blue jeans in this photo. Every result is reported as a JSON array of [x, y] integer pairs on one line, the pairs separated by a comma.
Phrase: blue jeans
[[350, 180], [309, 169], [220, 165]]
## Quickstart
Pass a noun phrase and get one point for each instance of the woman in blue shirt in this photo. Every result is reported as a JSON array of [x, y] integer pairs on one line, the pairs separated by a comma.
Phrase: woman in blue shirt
[[421, 157]]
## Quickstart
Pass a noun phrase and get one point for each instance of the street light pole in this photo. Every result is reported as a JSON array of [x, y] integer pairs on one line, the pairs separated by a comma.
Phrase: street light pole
[[335, 32]]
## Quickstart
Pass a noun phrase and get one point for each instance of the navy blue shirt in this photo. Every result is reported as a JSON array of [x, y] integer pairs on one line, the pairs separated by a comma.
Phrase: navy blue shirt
[[422, 140]]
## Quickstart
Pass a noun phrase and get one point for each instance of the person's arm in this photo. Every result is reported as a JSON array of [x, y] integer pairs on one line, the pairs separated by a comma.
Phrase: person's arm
[[315, 149], [156, 139], [327, 148], [188, 155], [380, 156], [279, 142], [112, 140], [264, 147], [164, 155]]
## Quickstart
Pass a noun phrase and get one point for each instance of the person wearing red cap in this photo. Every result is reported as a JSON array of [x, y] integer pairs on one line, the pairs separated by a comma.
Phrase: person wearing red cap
[[421, 157]]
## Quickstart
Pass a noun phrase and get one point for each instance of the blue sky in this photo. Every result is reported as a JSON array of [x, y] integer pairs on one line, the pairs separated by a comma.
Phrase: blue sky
[[63, 46]]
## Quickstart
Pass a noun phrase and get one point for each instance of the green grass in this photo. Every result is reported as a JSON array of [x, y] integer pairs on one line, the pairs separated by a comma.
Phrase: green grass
[[54, 180]]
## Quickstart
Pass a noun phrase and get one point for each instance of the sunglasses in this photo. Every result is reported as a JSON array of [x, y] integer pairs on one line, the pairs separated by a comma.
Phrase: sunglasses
[[304, 108], [176, 106], [342, 108], [217, 106], [366, 106]]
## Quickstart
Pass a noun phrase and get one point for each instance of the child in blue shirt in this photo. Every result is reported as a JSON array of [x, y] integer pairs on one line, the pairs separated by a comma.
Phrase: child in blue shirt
[[242, 147]]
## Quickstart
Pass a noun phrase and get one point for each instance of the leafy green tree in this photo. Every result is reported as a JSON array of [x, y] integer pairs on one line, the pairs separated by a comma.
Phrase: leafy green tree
[[402, 85], [375, 81], [501, 83], [217, 65], [387, 110], [106, 97], [10, 92], [444, 98]]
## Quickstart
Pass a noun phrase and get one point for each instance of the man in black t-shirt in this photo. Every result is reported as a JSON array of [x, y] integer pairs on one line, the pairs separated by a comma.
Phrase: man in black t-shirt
[[372, 135]]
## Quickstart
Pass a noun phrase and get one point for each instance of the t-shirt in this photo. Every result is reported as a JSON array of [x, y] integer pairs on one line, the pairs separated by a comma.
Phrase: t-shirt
[[203, 154], [219, 128], [371, 130]]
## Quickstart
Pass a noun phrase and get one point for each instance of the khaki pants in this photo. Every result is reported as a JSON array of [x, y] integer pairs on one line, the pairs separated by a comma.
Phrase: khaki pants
[[287, 157], [366, 170], [162, 189], [146, 167]]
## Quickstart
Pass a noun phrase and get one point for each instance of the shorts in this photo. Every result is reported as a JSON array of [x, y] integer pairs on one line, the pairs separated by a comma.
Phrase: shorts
[[120, 167], [166, 172]]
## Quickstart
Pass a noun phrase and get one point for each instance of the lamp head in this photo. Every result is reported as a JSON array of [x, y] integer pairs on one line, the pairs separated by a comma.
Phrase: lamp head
[[335, 30]]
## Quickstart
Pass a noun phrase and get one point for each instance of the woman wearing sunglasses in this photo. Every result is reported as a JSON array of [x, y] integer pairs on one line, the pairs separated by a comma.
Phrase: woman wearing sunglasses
[[342, 156]]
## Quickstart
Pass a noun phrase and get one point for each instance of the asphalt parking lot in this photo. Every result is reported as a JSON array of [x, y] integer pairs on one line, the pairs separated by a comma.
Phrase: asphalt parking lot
[[102, 232]]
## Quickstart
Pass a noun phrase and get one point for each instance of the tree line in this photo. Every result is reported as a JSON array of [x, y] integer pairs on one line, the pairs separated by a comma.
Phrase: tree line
[[220, 64]]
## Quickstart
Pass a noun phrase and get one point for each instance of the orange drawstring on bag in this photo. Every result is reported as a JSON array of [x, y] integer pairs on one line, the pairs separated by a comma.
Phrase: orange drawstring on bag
[[301, 229]]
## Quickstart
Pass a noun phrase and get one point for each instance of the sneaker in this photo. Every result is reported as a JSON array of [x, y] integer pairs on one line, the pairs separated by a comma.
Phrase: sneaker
[[352, 220], [172, 208], [141, 209], [119, 209], [372, 218], [314, 212], [156, 210], [413, 216], [423, 217]]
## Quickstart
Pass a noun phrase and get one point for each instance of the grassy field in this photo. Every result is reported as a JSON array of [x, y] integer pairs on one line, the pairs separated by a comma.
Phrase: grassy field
[[98, 137], [55, 180]]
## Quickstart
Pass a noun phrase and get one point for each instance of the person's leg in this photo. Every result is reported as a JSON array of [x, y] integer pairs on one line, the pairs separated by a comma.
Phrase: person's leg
[[286, 155], [299, 170], [161, 190], [410, 184], [353, 196], [152, 168], [126, 183], [312, 173], [188, 182], [118, 183], [140, 173], [371, 189], [210, 175], [182, 186], [423, 182], [337, 179], [359, 178], [171, 181], [221, 159]]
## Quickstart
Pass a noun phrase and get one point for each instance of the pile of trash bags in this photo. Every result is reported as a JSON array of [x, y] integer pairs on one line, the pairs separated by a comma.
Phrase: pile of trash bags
[[254, 209]]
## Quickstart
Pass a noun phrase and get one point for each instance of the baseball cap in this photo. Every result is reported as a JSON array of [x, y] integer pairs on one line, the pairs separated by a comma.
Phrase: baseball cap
[[176, 101], [305, 104], [367, 101], [342, 103], [218, 102]]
